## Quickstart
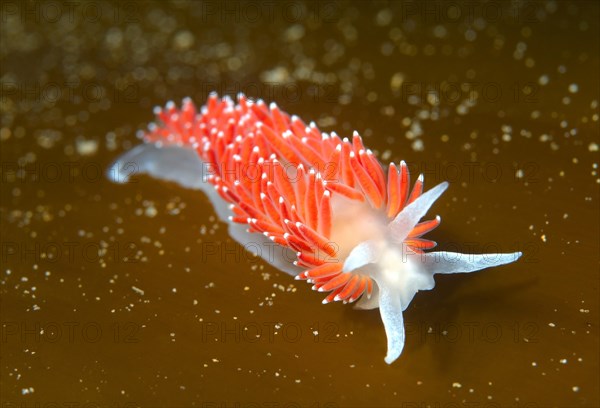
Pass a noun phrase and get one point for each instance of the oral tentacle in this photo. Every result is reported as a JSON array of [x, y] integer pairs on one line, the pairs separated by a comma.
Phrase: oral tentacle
[[407, 219], [390, 309], [453, 262]]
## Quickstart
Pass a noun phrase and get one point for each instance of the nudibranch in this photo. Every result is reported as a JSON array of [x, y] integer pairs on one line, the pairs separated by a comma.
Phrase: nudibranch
[[313, 204]]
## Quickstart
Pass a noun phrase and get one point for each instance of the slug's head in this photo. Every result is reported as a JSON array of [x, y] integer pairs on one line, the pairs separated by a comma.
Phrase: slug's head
[[400, 272], [387, 258]]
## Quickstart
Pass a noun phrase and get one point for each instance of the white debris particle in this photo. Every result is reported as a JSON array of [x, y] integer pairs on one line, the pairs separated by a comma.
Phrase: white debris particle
[[183, 40], [86, 147], [456, 385], [26, 391], [593, 147], [543, 80], [298, 381], [551, 325], [174, 290], [278, 74], [543, 237], [384, 17], [575, 388], [294, 33], [418, 145], [573, 88], [439, 31], [138, 290], [150, 211], [462, 109], [396, 81], [563, 361], [327, 121], [519, 174]]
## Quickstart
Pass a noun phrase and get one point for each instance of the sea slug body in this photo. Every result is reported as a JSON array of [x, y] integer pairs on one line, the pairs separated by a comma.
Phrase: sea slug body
[[315, 205]]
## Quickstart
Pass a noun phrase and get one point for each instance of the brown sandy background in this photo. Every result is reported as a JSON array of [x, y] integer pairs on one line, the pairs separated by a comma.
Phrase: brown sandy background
[[133, 295]]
